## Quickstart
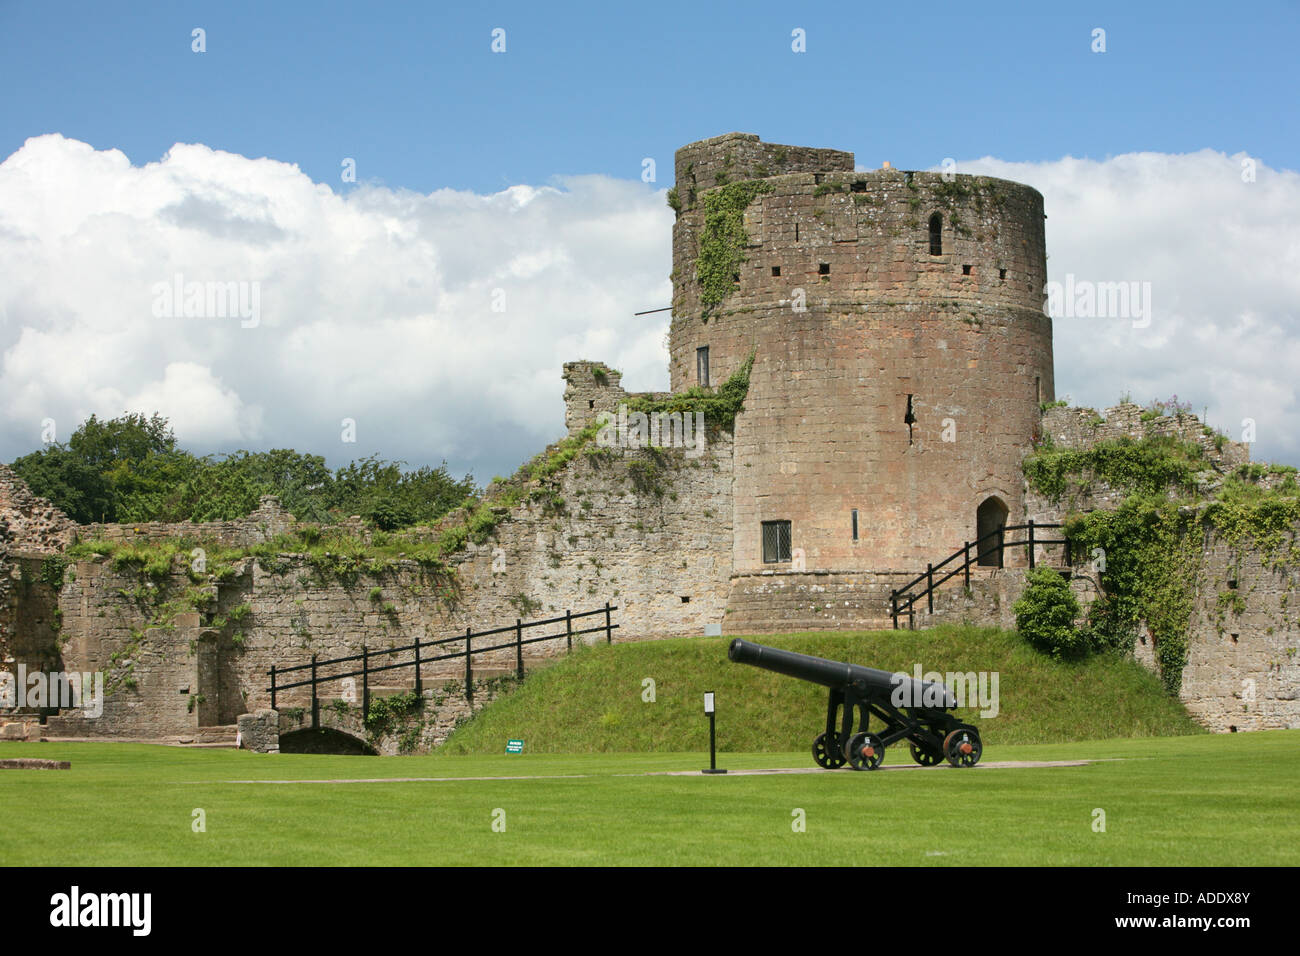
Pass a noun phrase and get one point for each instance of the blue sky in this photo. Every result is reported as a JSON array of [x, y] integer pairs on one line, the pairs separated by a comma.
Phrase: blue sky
[[414, 94], [520, 172]]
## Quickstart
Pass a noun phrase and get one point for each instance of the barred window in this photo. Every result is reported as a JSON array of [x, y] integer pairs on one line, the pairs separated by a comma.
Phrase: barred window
[[776, 541]]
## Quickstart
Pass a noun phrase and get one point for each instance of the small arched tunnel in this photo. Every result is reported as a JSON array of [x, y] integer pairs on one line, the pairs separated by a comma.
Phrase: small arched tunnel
[[324, 740], [989, 516]]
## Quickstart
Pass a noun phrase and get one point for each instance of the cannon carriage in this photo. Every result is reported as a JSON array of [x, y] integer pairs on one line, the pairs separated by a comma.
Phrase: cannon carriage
[[919, 712]]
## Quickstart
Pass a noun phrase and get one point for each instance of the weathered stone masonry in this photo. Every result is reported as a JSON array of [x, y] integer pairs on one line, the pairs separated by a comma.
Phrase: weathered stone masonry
[[646, 529]]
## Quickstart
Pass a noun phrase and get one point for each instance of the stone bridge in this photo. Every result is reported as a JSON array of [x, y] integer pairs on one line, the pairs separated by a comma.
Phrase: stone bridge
[[401, 722]]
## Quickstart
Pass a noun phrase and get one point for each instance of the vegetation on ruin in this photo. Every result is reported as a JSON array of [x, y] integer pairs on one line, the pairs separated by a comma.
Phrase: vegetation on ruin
[[130, 469], [1146, 552], [1149, 464], [334, 553], [720, 406], [53, 570], [387, 713], [592, 700], [1146, 573], [723, 238]]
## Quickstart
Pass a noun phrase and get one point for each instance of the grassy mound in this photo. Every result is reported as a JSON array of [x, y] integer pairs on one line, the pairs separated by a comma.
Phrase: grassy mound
[[592, 701]]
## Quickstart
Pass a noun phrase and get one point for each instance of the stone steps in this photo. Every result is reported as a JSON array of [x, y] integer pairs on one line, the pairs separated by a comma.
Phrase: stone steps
[[212, 738], [809, 624]]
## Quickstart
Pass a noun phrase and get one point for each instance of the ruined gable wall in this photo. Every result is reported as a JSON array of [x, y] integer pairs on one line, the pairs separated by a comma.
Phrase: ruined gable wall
[[35, 525]]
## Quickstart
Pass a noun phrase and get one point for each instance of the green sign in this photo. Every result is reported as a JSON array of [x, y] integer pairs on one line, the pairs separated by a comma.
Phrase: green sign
[[514, 746]]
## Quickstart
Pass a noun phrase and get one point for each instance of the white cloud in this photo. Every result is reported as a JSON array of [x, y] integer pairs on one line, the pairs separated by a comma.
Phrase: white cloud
[[1223, 259], [376, 305]]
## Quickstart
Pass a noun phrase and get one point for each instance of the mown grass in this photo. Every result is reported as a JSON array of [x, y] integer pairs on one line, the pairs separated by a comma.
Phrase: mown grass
[[1208, 800], [593, 701]]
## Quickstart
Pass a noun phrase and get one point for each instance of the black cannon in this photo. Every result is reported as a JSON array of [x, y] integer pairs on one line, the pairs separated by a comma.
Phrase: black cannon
[[911, 710]]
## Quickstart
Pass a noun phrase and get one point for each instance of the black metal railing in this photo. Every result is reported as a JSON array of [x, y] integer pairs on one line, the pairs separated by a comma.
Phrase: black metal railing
[[902, 602], [467, 651]]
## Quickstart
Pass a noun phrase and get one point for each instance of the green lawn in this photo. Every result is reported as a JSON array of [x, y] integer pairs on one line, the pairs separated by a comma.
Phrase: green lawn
[[1189, 801], [595, 699]]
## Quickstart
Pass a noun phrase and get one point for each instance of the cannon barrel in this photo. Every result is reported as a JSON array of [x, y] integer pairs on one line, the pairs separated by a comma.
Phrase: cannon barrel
[[835, 674]]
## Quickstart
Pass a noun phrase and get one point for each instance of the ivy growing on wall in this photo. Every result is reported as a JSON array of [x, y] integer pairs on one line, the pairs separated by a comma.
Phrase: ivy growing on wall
[[1152, 542], [1150, 573], [1147, 465], [723, 238]]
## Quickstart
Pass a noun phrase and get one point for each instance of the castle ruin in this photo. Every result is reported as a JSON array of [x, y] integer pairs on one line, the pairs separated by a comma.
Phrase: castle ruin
[[887, 331]]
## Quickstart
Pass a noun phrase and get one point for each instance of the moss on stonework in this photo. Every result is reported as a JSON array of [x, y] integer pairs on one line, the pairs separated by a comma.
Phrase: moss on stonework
[[720, 406], [723, 238]]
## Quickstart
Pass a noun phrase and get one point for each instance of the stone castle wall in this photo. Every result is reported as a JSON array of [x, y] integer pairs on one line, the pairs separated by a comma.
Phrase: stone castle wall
[[267, 522], [1243, 668], [643, 529], [591, 389], [8, 599]]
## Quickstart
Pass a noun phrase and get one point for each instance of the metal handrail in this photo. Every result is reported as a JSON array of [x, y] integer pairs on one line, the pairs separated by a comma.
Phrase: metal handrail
[[316, 679], [1000, 532]]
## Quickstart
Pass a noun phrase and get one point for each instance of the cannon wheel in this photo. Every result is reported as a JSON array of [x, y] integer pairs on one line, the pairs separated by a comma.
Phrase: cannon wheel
[[962, 747], [828, 758], [925, 756], [865, 752]]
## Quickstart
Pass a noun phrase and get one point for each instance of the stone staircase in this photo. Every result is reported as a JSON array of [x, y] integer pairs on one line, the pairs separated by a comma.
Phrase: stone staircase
[[784, 601], [213, 737], [790, 601]]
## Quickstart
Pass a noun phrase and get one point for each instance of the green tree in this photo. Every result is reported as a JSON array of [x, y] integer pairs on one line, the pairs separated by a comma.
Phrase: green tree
[[132, 437], [57, 473], [130, 469]]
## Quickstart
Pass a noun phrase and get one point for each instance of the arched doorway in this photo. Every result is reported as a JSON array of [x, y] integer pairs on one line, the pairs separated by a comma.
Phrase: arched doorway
[[989, 516]]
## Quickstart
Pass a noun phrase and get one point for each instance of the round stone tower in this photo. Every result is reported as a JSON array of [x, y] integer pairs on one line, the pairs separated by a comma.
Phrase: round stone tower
[[899, 341]]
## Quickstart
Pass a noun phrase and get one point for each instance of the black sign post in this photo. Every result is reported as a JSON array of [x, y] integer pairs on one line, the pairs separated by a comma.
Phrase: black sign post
[[713, 748]]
